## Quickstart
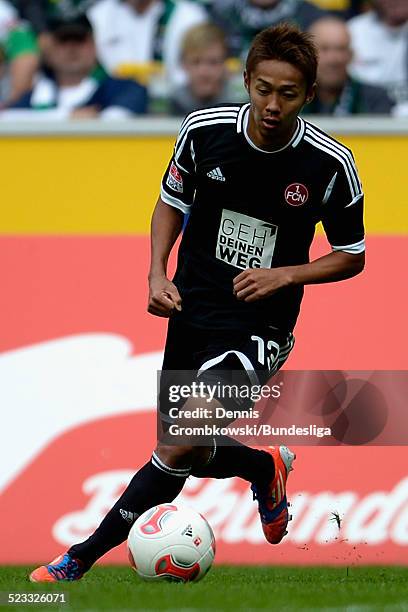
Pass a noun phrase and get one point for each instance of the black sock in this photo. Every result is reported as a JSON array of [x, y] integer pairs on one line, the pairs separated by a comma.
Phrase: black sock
[[231, 458], [155, 483]]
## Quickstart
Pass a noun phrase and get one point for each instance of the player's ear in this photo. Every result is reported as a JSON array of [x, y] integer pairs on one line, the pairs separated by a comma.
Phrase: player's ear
[[246, 80], [311, 93]]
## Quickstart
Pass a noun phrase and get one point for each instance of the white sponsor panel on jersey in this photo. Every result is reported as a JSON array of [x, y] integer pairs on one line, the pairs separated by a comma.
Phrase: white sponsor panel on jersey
[[244, 241]]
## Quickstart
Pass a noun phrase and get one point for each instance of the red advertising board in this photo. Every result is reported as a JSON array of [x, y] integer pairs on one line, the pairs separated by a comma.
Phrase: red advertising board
[[78, 363]]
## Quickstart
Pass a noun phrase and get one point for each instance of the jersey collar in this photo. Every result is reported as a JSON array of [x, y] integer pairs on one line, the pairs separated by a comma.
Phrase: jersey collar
[[242, 127]]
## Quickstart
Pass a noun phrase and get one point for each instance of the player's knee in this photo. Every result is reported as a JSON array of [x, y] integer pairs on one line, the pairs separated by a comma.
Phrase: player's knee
[[175, 456]]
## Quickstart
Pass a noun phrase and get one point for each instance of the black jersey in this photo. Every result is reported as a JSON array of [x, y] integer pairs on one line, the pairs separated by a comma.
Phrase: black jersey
[[254, 209]]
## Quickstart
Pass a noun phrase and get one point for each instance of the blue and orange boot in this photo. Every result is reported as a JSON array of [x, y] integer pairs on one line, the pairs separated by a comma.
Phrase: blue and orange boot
[[63, 567], [273, 505]]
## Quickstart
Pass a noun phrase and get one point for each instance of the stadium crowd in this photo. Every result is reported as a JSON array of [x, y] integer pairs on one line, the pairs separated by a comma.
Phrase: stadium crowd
[[118, 58]]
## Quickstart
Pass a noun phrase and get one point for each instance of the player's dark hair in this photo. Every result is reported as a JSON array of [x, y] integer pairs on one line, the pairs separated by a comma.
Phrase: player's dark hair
[[286, 43]]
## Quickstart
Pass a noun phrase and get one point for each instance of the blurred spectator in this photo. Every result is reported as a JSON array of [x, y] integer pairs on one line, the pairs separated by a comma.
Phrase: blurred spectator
[[136, 31], [343, 8], [204, 55], [337, 93], [241, 20], [18, 55], [40, 12], [379, 40], [74, 85]]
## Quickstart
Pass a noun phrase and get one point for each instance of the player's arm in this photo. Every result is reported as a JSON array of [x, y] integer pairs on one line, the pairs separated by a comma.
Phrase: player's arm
[[252, 285], [332, 267], [166, 225], [176, 197]]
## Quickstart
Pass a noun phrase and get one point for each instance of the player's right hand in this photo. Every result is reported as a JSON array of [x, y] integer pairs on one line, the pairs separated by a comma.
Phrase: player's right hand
[[164, 297]]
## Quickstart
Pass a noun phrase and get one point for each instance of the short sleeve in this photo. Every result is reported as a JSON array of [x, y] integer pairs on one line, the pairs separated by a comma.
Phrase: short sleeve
[[178, 184], [20, 41], [342, 215]]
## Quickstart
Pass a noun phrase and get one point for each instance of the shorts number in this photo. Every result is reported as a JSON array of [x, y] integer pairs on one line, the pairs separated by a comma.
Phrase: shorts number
[[267, 356]]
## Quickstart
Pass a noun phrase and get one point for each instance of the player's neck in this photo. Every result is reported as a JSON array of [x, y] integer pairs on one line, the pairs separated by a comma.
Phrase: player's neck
[[272, 142]]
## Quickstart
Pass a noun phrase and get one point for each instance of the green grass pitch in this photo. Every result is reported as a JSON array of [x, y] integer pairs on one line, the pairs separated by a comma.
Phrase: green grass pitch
[[226, 588]]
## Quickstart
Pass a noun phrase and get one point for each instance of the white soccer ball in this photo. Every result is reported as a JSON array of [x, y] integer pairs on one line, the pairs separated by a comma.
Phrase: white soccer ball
[[171, 542]]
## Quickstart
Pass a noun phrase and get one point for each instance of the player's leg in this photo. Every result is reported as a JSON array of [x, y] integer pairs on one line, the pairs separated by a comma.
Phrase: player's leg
[[160, 480], [228, 458], [267, 469], [254, 353], [155, 483], [264, 352]]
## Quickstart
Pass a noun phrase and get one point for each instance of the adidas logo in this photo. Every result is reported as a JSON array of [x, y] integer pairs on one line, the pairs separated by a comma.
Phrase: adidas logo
[[216, 174], [188, 531], [129, 517]]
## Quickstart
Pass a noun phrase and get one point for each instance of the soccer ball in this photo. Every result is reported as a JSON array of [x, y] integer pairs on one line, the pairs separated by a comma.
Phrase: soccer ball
[[171, 542]]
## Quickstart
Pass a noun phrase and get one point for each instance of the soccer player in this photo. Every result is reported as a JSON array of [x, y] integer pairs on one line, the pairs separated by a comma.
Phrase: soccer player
[[255, 179]]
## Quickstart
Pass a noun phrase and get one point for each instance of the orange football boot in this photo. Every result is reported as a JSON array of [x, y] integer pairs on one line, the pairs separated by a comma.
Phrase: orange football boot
[[273, 505], [63, 567]]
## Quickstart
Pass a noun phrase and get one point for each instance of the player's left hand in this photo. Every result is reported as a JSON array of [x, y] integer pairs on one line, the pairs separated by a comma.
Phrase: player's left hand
[[260, 283]]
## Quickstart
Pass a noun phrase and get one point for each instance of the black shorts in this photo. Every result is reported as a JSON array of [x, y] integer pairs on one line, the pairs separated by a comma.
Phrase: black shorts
[[228, 357]]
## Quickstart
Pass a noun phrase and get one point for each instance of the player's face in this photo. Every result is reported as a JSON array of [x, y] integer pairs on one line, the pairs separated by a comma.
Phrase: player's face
[[278, 92]]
